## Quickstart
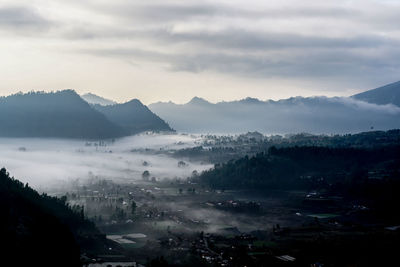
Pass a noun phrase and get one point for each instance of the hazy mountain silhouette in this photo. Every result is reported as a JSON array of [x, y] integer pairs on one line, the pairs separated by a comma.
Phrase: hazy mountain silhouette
[[95, 99], [198, 101], [293, 115], [388, 94], [58, 114], [133, 117]]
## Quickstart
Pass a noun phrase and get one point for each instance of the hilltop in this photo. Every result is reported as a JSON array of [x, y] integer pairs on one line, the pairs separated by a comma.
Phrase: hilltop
[[61, 114], [133, 117], [64, 114]]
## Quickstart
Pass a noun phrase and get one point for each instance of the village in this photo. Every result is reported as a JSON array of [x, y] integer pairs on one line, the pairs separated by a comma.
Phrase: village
[[182, 221]]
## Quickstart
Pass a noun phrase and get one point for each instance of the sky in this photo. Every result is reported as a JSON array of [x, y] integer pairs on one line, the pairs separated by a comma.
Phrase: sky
[[219, 50]]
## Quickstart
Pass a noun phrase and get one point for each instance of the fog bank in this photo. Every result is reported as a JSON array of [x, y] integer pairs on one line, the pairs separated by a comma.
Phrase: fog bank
[[50, 163]]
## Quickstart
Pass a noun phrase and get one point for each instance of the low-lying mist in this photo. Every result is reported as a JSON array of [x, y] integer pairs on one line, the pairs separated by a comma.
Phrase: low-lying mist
[[52, 163]]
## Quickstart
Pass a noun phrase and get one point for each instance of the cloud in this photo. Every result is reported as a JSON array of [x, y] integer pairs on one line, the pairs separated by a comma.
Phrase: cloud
[[311, 62], [22, 18], [389, 109], [337, 40], [172, 11], [323, 43]]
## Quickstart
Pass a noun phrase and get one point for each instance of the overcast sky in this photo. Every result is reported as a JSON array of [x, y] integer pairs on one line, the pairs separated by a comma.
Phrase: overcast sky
[[219, 50]]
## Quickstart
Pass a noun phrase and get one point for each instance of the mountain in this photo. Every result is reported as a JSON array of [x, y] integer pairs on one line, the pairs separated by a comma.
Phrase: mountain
[[95, 99], [61, 114], [198, 101], [388, 94], [133, 117], [293, 115]]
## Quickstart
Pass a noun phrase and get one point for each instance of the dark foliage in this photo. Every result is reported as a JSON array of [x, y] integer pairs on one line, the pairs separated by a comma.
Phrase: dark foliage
[[35, 229], [41, 230], [371, 139], [303, 167]]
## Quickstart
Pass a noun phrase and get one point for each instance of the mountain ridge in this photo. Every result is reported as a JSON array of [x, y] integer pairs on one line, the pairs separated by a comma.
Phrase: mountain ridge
[[95, 99], [391, 96], [387, 94], [59, 114], [133, 117], [65, 114], [292, 115]]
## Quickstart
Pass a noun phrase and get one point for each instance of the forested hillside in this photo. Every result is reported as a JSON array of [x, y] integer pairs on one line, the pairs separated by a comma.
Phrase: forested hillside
[[133, 117], [41, 230], [36, 229], [61, 114], [305, 167]]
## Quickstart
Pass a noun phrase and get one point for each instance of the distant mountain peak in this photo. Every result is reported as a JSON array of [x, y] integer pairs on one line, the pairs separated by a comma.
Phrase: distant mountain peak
[[317, 114], [135, 102], [198, 101], [95, 99], [250, 100]]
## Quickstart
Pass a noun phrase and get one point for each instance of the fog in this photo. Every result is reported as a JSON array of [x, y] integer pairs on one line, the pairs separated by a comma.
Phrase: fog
[[52, 163]]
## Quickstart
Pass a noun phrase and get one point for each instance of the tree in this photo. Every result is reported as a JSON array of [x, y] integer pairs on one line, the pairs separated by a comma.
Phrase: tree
[[133, 208], [146, 175], [182, 164]]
